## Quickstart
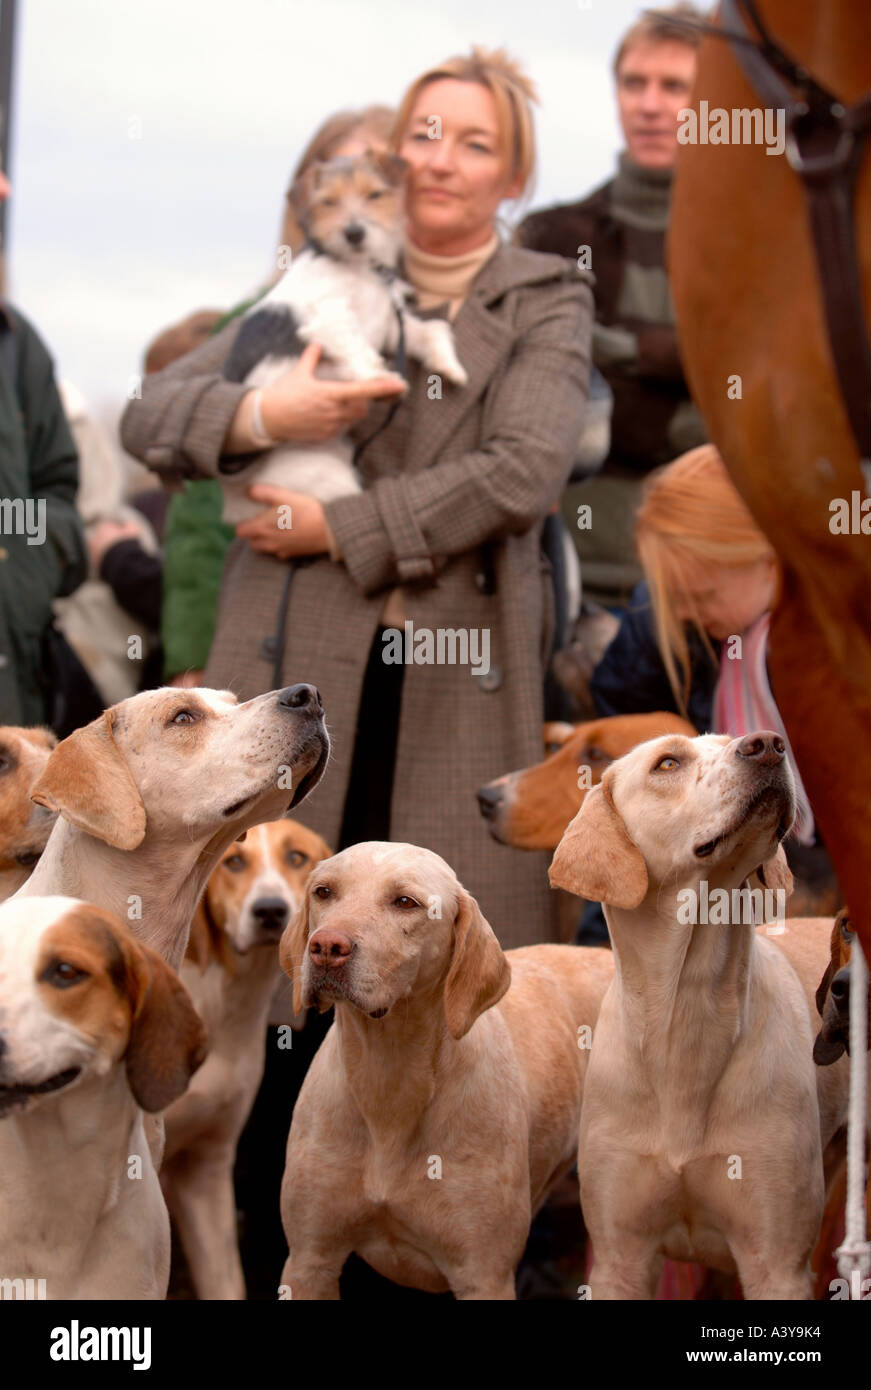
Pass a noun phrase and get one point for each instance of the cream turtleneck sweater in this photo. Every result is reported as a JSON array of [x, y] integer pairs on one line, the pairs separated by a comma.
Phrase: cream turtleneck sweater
[[436, 280], [445, 279]]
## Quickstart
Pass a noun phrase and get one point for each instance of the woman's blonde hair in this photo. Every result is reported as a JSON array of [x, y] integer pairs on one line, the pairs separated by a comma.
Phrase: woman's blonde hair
[[376, 121], [692, 518], [513, 94]]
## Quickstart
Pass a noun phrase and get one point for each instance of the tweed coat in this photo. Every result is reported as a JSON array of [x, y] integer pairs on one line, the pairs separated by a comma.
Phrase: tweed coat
[[481, 464]]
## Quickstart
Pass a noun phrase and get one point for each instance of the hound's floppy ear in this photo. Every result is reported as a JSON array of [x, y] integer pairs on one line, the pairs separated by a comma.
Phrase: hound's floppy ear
[[167, 1038], [291, 951], [595, 859], [88, 782], [832, 968], [479, 974], [775, 873]]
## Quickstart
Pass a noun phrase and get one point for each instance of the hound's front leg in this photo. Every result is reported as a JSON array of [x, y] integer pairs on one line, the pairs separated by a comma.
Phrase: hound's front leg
[[633, 1273], [312, 1275]]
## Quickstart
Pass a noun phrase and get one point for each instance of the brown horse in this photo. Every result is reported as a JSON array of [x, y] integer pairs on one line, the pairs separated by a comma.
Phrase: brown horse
[[754, 339]]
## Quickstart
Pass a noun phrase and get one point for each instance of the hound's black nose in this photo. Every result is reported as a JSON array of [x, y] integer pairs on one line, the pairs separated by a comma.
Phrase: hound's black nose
[[271, 913], [488, 800], [763, 747], [354, 234], [305, 698]]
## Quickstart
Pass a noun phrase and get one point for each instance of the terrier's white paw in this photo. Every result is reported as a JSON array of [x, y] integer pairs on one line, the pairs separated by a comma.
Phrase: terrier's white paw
[[441, 355], [455, 372]]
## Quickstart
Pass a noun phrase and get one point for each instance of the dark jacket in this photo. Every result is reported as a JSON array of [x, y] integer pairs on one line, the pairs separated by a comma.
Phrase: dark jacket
[[38, 463], [631, 677], [647, 380]]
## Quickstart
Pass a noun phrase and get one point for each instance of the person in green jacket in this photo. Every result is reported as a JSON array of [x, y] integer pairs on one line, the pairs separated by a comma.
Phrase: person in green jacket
[[42, 545]]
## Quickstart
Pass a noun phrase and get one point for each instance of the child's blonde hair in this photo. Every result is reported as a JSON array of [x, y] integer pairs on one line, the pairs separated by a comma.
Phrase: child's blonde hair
[[691, 519]]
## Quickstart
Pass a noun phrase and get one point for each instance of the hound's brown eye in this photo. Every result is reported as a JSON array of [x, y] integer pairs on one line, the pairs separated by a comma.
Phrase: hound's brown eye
[[61, 974], [235, 862], [666, 764], [846, 930], [596, 754], [295, 858], [322, 891], [376, 193], [328, 202], [405, 901], [184, 716]]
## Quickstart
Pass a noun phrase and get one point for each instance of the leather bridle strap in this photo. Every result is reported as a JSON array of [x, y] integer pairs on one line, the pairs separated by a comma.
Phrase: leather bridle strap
[[824, 146]]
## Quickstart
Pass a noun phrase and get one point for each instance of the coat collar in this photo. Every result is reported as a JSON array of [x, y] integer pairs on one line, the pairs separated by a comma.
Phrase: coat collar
[[511, 267]]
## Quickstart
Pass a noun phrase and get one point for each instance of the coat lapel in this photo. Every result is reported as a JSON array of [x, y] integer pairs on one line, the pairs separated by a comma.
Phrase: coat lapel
[[484, 339]]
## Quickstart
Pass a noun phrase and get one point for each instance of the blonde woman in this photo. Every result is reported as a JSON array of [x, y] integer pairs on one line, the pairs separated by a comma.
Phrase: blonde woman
[[446, 533], [694, 635]]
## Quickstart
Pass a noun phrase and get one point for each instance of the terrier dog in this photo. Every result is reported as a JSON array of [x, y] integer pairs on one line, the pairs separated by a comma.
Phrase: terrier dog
[[341, 291]]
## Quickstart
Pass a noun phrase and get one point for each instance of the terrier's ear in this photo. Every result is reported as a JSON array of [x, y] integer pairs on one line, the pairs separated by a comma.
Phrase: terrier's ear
[[392, 167], [87, 781], [300, 193], [479, 973], [595, 859]]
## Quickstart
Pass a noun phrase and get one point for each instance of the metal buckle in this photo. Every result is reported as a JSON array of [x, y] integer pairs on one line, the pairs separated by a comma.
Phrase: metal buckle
[[833, 161]]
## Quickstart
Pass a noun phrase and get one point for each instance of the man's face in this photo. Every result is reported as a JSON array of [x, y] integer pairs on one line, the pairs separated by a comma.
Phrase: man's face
[[653, 83]]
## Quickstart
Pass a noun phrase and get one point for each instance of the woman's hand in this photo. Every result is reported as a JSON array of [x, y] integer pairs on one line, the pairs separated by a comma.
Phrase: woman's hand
[[305, 409], [293, 524]]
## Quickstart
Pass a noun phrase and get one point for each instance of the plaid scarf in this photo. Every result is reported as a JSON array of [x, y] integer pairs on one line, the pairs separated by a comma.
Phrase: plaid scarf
[[743, 703]]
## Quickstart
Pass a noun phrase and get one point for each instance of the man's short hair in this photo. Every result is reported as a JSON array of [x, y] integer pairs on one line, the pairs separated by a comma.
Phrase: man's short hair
[[662, 26]]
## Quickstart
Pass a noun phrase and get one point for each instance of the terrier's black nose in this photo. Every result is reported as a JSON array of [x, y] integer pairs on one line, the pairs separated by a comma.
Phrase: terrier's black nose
[[354, 234], [271, 913], [305, 698], [763, 747]]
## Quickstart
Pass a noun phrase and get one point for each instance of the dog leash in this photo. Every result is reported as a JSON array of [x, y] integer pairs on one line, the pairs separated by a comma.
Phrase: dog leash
[[273, 648]]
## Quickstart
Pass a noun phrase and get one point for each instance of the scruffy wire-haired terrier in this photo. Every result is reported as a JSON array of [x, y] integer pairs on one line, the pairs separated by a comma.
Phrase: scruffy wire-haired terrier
[[340, 291]]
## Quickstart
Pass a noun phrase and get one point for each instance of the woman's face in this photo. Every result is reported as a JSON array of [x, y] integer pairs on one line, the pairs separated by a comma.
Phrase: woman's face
[[727, 600], [458, 175]]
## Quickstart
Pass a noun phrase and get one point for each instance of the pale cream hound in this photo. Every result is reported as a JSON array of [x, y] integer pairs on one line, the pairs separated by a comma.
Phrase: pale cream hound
[[24, 826], [231, 971], [444, 1101], [700, 1135], [151, 794], [94, 1029]]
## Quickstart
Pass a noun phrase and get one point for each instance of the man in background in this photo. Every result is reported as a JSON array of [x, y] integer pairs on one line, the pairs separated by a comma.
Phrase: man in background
[[623, 226]]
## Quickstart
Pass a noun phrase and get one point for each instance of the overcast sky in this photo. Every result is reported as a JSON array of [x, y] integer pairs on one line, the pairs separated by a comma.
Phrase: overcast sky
[[152, 140]]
